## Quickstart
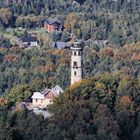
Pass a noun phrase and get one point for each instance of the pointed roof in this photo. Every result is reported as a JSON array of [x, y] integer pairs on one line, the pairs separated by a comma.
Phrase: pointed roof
[[54, 20], [41, 95], [58, 89], [37, 95]]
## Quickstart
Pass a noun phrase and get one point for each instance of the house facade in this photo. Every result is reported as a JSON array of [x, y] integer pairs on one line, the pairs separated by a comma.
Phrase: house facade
[[53, 25], [28, 41], [44, 98]]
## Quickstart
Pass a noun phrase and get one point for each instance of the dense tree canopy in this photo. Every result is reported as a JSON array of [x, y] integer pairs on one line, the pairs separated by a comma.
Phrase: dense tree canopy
[[97, 108], [105, 106], [116, 20]]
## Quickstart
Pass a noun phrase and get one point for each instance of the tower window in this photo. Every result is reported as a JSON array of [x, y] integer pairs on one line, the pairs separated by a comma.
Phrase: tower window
[[79, 53], [75, 64], [74, 53], [75, 73]]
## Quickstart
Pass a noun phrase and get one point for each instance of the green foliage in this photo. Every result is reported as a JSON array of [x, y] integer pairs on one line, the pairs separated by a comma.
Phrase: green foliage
[[103, 107], [90, 109], [21, 124], [4, 42], [115, 39], [36, 68], [117, 20], [18, 94]]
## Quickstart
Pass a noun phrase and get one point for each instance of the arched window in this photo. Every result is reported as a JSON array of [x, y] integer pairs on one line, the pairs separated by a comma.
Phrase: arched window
[[75, 73], [74, 53], [75, 64]]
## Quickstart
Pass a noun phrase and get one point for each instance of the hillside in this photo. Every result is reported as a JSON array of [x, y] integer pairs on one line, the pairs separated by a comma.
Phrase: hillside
[[48, 66], [102, 107], [117, 21], [105, 104]]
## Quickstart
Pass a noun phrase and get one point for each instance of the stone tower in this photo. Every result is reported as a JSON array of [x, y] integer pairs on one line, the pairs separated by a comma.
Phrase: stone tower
[[76, 62]]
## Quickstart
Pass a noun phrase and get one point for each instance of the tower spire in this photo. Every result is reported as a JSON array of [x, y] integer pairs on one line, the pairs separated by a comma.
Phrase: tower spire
[[76, 62]]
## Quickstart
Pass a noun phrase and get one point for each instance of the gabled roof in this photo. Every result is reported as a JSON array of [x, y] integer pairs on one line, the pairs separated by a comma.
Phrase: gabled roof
[[54, 92], [58, 89], [41, 95], [28, 39], [52, 21], [37, 95], [46, 91], [59, 45]]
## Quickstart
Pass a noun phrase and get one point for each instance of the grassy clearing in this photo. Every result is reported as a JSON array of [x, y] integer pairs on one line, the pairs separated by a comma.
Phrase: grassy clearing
[[13, 34]]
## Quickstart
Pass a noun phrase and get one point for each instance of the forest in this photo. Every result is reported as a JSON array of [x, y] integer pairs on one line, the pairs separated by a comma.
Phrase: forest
[[97, 108], [105, 105], [115, 20]]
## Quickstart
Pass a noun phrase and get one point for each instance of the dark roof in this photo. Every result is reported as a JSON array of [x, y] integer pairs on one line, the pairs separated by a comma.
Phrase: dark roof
[[52, 21], [28, 39], [59, 45], [46, 91]]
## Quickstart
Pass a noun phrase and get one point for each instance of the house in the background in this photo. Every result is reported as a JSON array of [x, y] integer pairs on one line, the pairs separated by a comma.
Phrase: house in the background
[[28, 41], [44, 98], [52, 25], [99, 43], [14, 1], [59, 45]]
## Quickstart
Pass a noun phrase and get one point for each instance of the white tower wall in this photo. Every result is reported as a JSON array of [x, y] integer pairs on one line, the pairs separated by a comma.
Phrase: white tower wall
[[76, 63]]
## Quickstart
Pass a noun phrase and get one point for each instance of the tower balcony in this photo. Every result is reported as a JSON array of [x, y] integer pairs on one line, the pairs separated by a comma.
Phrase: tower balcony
[[78, 45]]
